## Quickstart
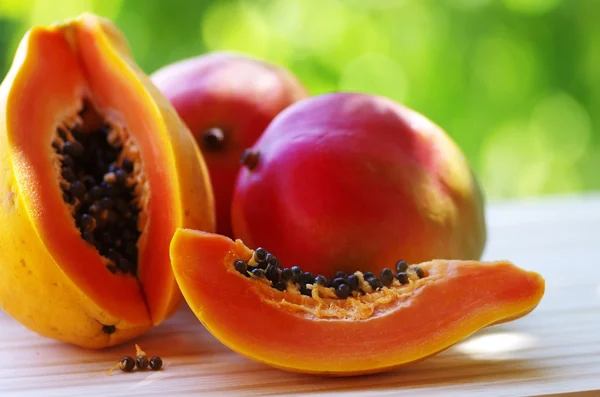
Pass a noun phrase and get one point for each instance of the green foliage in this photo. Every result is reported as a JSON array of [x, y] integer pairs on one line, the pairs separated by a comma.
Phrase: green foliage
[[514, 82]]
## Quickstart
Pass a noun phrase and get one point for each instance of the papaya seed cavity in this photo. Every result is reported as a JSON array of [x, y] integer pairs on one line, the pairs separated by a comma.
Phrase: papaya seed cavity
[[265, 267], [100, 175]]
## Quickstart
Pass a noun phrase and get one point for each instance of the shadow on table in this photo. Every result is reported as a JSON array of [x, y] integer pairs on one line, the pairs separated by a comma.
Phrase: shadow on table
[[445, 370], [214, 368], [196, 362]]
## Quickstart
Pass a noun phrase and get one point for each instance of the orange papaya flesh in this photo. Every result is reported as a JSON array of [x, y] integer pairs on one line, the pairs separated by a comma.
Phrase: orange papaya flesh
[[54, 281], [365, 333]]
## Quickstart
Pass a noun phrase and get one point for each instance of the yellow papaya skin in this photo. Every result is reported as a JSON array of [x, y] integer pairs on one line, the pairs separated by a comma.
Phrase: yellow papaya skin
[[35, 291], [62, 299]]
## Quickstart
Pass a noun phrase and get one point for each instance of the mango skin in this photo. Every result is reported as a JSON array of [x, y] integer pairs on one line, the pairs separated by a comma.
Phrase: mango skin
[[350, 181], [236, 93], [36, 287]]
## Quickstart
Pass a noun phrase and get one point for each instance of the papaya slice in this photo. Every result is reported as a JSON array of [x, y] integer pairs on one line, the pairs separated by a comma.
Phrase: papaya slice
[[424, 310], [97, 173]]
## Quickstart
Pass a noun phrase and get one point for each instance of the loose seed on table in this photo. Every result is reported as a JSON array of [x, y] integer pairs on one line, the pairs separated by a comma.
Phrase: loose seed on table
[[156, 363], [141, 359], [142, 362], [127, 364]]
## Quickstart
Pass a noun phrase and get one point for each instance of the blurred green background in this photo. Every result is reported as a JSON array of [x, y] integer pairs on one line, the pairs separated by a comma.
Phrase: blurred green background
[[515, 82]]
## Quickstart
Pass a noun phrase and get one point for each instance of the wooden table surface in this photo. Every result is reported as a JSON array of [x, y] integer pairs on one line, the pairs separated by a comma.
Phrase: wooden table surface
[[553, 351]]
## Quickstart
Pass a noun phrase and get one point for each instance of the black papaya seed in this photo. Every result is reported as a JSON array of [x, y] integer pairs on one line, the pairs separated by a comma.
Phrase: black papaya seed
[[353, 282], [274, 274], [402, 278], [287, 274], [156, 363], [419, 272], [280, 286], [305, 291], [342, 291], [260, 255], [386, 277], [241, 267], [375, 283], [337, 282], [401, 266]]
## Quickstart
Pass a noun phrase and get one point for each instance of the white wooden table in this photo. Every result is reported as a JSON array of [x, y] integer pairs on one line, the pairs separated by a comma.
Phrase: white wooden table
[[553, 351]]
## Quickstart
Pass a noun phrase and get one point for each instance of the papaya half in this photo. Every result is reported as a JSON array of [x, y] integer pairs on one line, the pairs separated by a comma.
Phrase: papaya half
[[353, 324], [97, 172]]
